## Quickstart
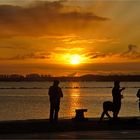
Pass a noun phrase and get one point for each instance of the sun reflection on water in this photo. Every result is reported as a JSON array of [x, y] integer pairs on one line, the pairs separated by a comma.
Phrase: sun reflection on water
[[74, 99]]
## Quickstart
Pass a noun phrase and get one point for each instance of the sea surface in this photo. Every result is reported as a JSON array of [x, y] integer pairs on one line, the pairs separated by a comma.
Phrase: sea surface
[[30, 100]]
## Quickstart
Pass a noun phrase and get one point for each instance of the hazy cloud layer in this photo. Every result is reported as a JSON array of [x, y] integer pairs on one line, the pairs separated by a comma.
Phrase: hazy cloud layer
[[131, 53], [43, 18], [28, 56], [96, 55]]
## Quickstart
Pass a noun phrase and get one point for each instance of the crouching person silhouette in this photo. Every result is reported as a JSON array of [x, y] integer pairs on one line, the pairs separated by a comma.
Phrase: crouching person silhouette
[[107, 106], [55, 93]]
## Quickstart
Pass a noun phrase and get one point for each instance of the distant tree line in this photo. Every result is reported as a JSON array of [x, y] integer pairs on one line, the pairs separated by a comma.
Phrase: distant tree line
[[89, 77]]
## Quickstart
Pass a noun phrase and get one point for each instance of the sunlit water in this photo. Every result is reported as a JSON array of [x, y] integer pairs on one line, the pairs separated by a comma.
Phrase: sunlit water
[[29, 100]]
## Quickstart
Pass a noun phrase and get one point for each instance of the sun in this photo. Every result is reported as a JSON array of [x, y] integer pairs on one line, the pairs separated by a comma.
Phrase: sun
[[75, 59]]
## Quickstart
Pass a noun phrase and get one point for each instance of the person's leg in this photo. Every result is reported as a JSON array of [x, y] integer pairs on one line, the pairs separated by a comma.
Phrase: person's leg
[[51, 112], [102, 116], [56, 111], [139, 105], [56, 115], [117, 108], [115, 111], [107, 114]]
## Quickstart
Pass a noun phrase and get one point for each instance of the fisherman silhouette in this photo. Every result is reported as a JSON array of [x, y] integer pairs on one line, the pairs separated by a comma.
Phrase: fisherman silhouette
[[55, 93], [138, 95], [117, 96]]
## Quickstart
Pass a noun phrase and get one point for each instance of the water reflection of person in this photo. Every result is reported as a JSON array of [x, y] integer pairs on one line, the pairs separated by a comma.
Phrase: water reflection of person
[[117, 96], [138, 95], [55, 94]]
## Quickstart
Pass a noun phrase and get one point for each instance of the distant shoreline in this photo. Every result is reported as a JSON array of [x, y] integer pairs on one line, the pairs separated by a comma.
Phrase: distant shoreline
[[88, 77], [14, 88]]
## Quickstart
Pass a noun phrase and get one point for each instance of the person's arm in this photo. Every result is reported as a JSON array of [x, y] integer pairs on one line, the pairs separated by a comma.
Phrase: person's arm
[[61, 93], [114, 93], [122, 89], [49, 91]]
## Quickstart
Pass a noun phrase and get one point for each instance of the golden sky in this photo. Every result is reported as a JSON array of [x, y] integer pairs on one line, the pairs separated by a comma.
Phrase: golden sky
[[70, 36]]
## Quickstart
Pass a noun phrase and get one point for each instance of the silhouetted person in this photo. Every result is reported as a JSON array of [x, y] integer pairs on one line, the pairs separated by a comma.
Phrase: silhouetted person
[[107, 106], [138, 95], [117, 96], [55, 94]]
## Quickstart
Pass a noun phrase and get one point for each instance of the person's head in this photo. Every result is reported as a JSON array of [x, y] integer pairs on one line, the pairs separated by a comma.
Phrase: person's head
[[116, 83], [55, 82]]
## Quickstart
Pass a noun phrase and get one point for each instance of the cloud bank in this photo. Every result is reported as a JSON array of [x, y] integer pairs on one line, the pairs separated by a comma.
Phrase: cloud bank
[[131, 53], [43, 18]]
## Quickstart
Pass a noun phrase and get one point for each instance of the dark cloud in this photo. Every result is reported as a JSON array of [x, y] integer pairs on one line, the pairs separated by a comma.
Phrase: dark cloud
[[131, 48], [97, 55], [43, 18], [132, 52], [28, 56], [82, 16]]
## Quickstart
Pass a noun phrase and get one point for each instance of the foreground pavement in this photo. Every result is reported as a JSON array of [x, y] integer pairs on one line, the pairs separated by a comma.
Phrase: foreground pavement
[[101, 135], [124, 128]]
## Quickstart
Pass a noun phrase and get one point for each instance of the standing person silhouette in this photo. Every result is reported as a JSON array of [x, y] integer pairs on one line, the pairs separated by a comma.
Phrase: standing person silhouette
[[55, 93], [117, 96], [138, 95]]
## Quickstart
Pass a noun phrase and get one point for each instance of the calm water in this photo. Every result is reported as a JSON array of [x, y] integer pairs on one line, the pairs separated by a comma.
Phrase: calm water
[[29, 100]]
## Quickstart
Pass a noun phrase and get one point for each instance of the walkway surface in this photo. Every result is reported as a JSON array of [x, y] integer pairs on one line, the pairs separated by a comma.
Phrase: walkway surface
[[101, 135], [124, 128]]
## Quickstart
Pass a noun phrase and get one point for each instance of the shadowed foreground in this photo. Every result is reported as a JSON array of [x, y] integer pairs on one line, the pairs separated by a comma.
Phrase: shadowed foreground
[[68, 128]]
